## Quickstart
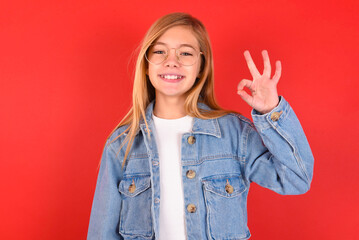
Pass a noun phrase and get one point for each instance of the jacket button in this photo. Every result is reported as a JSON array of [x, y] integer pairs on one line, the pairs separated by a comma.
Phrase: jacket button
[[132, 187], [190, 174], [191, 208], [275, 116], [229, 188], [191, 140]]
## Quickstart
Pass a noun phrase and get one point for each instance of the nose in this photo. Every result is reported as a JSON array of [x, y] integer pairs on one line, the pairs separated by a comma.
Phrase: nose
[[172, 59]]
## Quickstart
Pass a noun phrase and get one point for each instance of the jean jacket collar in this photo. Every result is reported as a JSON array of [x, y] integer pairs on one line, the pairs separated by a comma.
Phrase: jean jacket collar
[[200, 126]]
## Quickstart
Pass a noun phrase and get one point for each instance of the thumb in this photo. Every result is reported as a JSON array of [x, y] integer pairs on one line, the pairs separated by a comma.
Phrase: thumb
[[246, 97]]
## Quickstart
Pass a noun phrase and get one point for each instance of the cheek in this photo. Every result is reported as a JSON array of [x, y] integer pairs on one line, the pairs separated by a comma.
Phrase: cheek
[[151, 72]]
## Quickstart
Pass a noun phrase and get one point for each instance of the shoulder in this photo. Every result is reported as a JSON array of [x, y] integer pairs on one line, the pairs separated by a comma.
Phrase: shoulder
[[237, 119], [235, 125], [116, 138]]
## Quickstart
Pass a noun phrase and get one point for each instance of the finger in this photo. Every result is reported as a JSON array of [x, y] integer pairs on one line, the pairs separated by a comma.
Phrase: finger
[[244, 83], [252, 67], [278, 71], [246, 97], [267, 67]]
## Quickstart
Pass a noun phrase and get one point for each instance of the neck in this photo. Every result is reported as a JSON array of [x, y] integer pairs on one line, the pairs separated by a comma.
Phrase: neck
[[169, 108]]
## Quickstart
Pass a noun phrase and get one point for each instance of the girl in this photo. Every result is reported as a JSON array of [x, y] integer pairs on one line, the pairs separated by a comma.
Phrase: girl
[[178, 166]]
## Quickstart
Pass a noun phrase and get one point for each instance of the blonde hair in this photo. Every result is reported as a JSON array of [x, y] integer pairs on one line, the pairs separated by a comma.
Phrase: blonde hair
[[144, 92]]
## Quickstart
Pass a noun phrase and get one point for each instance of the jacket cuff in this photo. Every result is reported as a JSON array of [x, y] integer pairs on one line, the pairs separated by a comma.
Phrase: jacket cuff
[[272, 118]]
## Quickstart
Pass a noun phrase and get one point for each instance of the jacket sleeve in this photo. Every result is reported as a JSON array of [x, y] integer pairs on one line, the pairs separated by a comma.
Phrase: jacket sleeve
[[277, 153], [106, 205]]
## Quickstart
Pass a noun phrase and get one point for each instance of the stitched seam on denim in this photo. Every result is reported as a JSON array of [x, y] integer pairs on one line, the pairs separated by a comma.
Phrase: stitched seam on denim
[[246, 132], [120, 223], [139, 190], [137, 235], [113, 150], [128, 176], [206, 133], [242, 118], [138, 159], [296, 156], [205, 190], [232, 195], [262, 129], [295, 152], [149, 143], [207, 180], [218, 130], [209, 219], [207, 211], [209, 158], [136, 156], [220, 176], [116, 157], [219, 156], [143, 188], [244, 139]]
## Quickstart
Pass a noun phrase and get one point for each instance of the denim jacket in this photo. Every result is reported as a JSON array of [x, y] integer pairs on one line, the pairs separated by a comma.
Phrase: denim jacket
[[220, 158]]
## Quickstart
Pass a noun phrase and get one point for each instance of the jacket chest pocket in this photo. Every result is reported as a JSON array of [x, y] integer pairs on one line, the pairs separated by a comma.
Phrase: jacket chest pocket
[[135, 216], [226, 207]]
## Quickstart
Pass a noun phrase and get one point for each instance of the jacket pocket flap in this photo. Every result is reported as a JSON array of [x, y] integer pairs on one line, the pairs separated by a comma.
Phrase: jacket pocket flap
[[134, 185], [217, 184]]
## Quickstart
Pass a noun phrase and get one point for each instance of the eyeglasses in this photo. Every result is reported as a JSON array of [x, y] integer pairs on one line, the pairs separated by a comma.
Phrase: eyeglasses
[[158, 53]]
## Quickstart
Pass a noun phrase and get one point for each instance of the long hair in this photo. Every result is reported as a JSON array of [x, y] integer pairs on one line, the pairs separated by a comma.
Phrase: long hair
[[144, 92]]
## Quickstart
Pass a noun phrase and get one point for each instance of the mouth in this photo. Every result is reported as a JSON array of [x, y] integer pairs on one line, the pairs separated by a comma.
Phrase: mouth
[[171, 77]]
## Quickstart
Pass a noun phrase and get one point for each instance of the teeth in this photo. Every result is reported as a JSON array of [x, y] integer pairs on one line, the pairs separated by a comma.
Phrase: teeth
[[171, 76]]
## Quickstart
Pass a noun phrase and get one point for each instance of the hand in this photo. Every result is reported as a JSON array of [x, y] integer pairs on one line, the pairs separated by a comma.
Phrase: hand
[[263, 89]]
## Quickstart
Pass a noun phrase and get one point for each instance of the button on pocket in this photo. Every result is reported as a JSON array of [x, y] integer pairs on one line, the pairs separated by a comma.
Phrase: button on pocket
[[191, 140], [229, 188], [132, 187], [135, 215], [225, 200]]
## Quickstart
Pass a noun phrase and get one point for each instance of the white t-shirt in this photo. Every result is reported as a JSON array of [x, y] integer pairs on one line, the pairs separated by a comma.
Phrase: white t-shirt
[[168, 139]]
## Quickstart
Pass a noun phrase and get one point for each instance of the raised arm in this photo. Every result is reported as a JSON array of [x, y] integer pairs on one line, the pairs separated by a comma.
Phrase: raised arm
[[277, 153]]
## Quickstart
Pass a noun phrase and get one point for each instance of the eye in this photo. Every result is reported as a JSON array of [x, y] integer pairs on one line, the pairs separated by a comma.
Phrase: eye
[[159, 52], [186, 54]]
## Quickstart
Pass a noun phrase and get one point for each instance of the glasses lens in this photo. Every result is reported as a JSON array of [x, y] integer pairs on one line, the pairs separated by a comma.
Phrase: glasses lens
[[187, 55], [157, 53]]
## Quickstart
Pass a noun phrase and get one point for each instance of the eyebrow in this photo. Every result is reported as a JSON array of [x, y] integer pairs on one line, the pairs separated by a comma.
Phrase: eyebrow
[[183, 44]]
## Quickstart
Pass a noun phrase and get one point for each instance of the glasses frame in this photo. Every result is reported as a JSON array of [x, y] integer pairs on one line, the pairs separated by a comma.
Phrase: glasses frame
[[168, 53]]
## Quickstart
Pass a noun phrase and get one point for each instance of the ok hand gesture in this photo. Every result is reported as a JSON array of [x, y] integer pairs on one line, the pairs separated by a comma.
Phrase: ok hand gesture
[[263, 89]]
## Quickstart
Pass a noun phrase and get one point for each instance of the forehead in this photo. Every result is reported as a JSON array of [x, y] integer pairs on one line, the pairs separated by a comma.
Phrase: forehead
[[178, 36]]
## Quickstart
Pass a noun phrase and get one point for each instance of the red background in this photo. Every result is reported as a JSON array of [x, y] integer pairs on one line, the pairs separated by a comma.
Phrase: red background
[[66, 81]]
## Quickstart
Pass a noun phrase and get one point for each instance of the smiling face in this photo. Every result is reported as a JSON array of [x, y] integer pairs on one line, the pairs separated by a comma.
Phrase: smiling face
[[164, 76]]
